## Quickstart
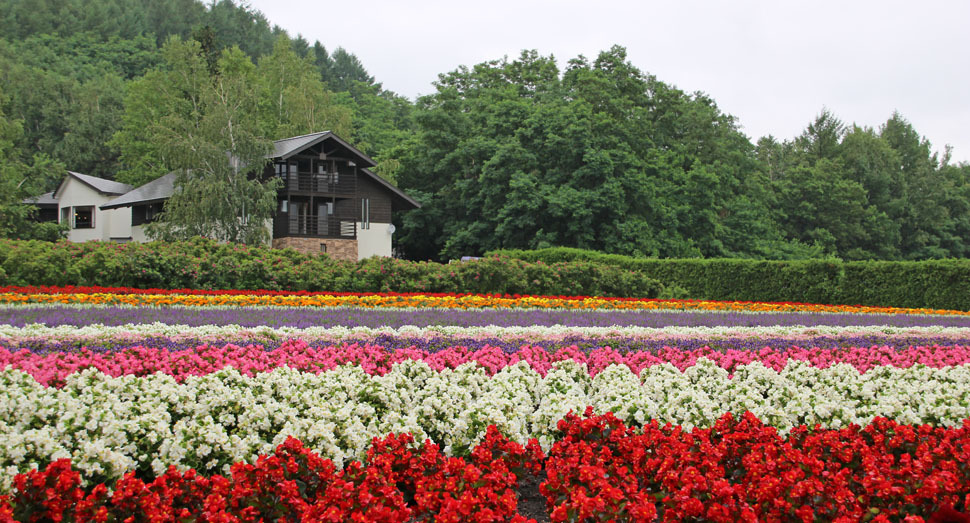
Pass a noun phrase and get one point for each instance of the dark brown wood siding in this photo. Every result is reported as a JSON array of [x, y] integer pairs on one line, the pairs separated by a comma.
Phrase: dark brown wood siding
[[380, 199], [347, 208]]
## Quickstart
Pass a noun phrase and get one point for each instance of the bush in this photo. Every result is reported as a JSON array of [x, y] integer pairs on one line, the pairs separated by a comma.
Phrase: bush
[[206, 264], [938, 284]]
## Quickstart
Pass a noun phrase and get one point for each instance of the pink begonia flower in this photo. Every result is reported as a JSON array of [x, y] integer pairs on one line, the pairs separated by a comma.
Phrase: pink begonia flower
[[52, 368]]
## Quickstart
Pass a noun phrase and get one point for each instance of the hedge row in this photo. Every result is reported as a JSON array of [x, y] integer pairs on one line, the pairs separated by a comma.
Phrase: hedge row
[[205, 264], [939, 284]]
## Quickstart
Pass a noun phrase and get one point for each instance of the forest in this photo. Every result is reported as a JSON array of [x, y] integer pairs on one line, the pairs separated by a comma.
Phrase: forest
[[513, 153]]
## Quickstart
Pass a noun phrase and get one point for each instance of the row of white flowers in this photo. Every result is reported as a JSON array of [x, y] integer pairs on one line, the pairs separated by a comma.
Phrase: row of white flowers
[[537, 332], [108, 426]]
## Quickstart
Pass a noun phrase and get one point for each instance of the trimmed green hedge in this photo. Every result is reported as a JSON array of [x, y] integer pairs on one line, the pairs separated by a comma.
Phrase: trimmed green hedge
[[939, 284], [205, 264]]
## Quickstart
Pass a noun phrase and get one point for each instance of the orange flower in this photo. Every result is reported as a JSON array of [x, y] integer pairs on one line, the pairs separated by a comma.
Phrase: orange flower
[[462, 301]]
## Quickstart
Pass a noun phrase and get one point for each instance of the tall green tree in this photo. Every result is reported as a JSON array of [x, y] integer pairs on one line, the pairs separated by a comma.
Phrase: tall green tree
[[828, 186], [172, 91], [241, 26], [345, 69], [293, 99], [219, 154], [925, 217]]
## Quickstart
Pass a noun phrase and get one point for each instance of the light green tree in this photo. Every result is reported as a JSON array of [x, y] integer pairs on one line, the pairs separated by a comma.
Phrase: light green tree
[[173, 91], [293, 98], [218, 153]]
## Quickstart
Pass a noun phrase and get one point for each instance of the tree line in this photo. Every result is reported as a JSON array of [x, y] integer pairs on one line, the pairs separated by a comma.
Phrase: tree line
[[510, 153], [605, 157]]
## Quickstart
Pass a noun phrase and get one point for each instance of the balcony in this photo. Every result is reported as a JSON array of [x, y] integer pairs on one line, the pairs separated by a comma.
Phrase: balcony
[[315, 226], [326, 183]]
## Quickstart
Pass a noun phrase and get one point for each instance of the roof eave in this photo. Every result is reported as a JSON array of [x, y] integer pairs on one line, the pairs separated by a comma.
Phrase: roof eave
[[74, 175], [329, 134], [389, 186], [109, 206]]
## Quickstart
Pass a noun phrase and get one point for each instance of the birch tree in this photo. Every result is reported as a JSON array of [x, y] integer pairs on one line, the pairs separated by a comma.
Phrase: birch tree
[[218, 155]]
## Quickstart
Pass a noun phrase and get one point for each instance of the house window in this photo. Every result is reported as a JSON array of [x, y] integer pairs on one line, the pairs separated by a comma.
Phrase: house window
[[332, 176], [365, 213], [66, 215], [323, 247], [292, 180], [284, 206], [84, 217], [152, 212], [147, 213]]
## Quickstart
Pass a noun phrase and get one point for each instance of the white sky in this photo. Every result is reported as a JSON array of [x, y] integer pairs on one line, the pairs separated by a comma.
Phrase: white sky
[[772, 64]]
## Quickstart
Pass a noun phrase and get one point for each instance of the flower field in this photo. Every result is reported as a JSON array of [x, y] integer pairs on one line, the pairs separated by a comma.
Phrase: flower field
[[228, 406]]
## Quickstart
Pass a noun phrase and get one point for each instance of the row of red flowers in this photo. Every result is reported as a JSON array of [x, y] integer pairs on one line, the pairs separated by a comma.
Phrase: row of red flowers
[[599, 470], [741, 470], [74, 289], [399, 482]]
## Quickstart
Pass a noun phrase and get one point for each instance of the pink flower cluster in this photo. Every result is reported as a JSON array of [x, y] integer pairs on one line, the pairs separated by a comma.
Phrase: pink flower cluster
[[51, 369]]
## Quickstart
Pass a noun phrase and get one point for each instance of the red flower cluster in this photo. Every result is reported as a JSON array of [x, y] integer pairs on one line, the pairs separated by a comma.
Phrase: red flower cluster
[[742, 470], [398, 482], [80, 289], [599, 470]]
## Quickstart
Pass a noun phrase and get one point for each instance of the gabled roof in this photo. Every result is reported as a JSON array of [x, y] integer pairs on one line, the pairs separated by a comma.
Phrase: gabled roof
[[154, 191], [100, 185], [44, 199], [287, 147], [399, 196]]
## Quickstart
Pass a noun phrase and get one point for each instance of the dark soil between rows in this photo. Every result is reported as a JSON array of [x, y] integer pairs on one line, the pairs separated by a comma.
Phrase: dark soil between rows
[[531, 503]]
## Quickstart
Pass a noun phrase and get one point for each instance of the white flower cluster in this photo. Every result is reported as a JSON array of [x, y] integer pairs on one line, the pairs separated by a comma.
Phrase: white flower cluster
[[108, 426]]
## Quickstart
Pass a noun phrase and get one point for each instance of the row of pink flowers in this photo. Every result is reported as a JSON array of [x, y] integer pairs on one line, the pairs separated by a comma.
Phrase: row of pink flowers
[[52, 368]]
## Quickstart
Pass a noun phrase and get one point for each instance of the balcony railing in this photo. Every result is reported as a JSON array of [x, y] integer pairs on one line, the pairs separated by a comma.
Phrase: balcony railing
[[339, 185], [320, 226]]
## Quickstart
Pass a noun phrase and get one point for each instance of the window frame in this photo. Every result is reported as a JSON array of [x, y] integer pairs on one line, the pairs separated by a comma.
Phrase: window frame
[[74, 216]]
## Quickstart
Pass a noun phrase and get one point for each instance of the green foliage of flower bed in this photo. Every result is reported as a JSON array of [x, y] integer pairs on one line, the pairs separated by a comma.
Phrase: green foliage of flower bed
[[205, 264], [940, 284]]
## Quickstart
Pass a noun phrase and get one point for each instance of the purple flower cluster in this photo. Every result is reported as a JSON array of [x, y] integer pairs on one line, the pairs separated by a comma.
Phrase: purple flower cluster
[[316, 317]]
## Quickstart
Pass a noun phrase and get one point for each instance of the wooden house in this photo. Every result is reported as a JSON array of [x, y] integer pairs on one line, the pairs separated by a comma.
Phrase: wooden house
[[329, 201]]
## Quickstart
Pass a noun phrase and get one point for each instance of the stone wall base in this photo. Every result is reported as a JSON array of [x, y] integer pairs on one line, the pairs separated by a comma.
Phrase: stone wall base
[[335, 248]]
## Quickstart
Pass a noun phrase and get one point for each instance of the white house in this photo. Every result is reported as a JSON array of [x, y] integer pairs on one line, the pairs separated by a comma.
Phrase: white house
[[79, 198]]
